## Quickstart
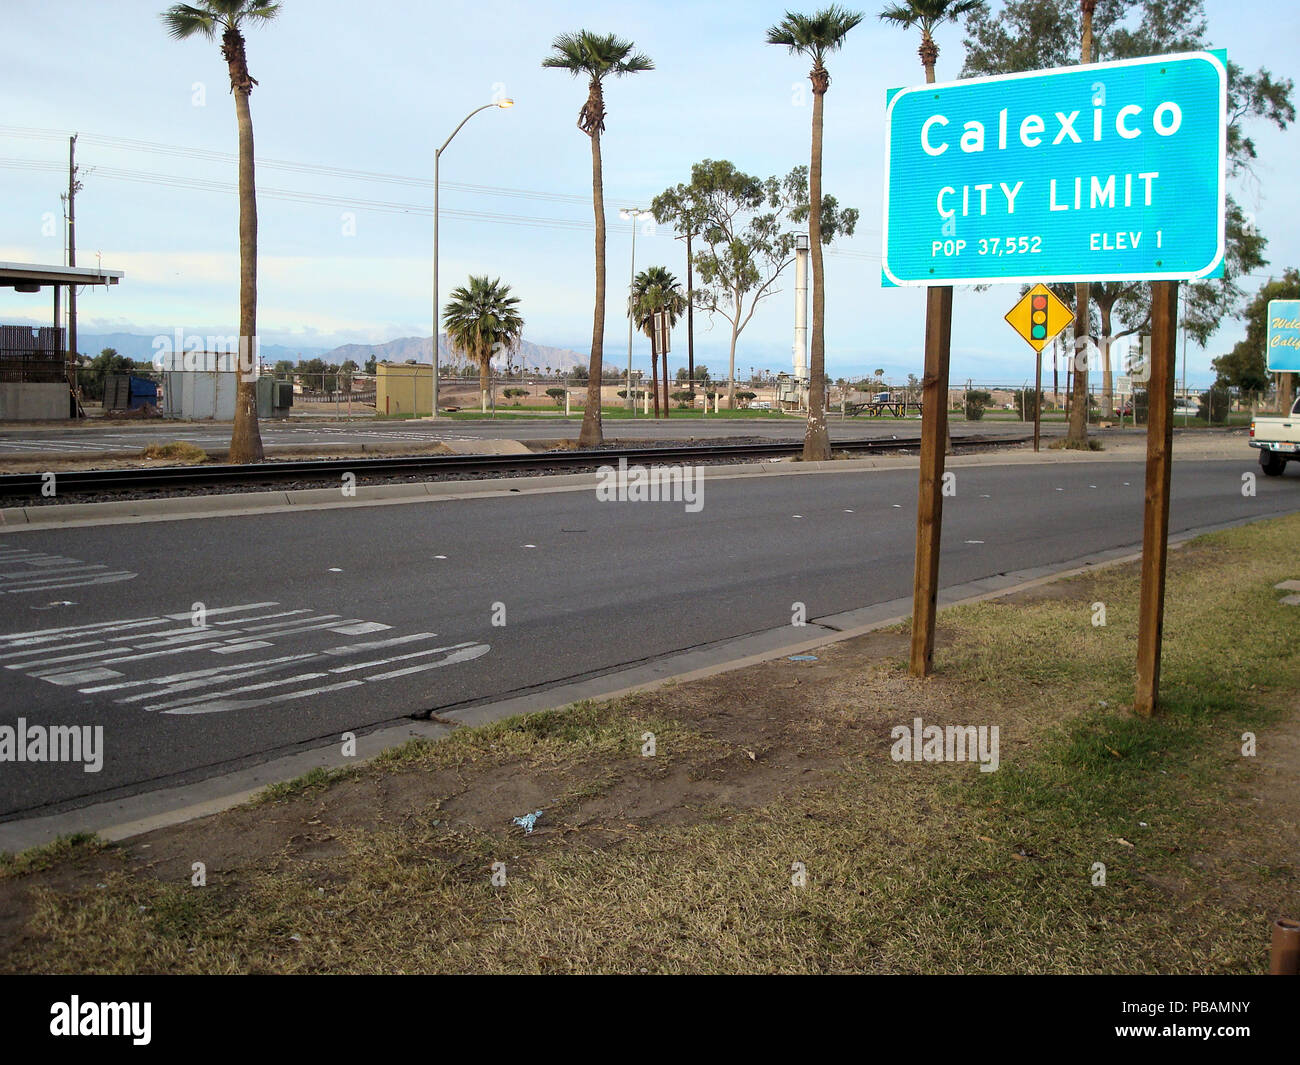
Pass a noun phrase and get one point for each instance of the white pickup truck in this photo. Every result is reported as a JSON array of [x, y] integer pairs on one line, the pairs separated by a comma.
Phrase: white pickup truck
[[1278, 440]]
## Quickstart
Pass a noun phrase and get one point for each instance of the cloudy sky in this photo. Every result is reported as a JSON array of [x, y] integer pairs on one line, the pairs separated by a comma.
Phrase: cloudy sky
[[352, 102]]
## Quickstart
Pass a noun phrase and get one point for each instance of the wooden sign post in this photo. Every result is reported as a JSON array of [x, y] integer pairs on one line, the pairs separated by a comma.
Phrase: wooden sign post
[[1155, 522], [929, 504]]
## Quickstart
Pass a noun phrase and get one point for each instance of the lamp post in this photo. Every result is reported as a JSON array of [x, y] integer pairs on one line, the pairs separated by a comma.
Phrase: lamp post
[[632, 213], [437, 158]]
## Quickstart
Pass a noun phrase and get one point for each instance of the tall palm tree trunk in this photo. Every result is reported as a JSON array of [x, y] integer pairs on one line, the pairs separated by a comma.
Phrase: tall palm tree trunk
[[654, 375], [816, 442], [667, 387], [591, 434], [1077, 435], [484, 376], [1104, 308], [245, 439]]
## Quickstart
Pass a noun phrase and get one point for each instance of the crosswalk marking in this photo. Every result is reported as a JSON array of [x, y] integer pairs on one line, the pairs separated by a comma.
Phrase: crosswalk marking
[[109, 658], [22, 570]]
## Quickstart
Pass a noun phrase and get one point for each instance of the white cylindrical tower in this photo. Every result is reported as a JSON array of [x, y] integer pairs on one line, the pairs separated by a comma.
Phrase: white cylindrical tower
[[801, 308]]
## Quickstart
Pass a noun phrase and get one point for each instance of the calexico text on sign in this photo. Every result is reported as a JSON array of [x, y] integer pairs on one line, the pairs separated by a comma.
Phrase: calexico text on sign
[[1284, 336], [1110, 171]]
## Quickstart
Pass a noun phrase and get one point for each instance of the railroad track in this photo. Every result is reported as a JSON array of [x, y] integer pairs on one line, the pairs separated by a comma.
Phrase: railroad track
[[20, 485]]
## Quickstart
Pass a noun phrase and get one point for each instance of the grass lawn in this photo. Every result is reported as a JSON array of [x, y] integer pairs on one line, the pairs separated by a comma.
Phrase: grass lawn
[[683, 862]]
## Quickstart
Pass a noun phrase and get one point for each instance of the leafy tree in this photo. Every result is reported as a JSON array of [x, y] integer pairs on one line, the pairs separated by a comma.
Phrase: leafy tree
[[284, 367], [207, 19], [557, 394], [370, 365], [1033, 34], [815, 37], [108, 361], [976, 401], [1245, 367], [481, 320], [595, 57], [676, 208], [1213, 405], [744, 241]]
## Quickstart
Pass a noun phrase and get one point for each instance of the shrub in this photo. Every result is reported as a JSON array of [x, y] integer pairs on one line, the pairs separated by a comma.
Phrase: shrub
[[177, 451], [1214, 405], [976, 401]]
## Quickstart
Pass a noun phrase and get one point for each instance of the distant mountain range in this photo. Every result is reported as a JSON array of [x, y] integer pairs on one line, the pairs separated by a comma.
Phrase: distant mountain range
[[140, 346], [420, 348]]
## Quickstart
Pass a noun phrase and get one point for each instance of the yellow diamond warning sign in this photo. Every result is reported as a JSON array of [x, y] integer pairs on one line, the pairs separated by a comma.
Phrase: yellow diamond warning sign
[[1039, 317]]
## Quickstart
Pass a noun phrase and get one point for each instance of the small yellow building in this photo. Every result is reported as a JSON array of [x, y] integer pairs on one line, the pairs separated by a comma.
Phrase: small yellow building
[[403, 389]]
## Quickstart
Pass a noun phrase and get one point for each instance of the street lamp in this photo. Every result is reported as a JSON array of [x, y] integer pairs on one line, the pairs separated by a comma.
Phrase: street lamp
[[437, 157], [632, 213]]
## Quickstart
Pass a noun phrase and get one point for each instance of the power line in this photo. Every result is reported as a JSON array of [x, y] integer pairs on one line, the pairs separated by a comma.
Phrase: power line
[[318, 199], [127, 144]]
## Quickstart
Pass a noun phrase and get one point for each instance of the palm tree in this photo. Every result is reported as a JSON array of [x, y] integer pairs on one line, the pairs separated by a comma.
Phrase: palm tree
[[815, 37], [228, 17], [595, 56], [482, 321], [655, 289], [929, 15]]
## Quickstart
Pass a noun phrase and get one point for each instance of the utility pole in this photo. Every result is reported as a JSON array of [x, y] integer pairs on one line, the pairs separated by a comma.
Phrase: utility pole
[[73, 186]]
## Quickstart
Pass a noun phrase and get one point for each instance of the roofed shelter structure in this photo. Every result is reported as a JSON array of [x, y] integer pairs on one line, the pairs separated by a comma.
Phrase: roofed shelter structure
[[38, 375]]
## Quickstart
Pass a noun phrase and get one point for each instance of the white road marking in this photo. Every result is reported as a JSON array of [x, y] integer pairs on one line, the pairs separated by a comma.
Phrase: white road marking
[[34, 571], [45, 650], [396, 658], [372, 645], [85, 655], [217, 671], [467, 655], [82, 676], [235, 691], [211, 611], [248, 704]]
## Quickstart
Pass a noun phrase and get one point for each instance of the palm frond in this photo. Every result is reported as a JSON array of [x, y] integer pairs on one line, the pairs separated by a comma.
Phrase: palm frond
[[205, 19], [928, 14], [182, 21], [814, 36], [595, 55]]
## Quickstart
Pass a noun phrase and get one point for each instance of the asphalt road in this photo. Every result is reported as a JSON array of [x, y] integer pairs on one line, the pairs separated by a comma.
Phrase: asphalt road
[[118, 437], [334, 620]]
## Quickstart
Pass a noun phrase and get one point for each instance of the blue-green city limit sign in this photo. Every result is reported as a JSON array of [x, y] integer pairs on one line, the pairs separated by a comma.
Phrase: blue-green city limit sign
[[1102, 172]]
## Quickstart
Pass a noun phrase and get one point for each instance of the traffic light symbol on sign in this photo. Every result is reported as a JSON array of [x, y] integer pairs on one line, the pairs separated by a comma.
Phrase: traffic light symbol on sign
[[1038, 318]]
